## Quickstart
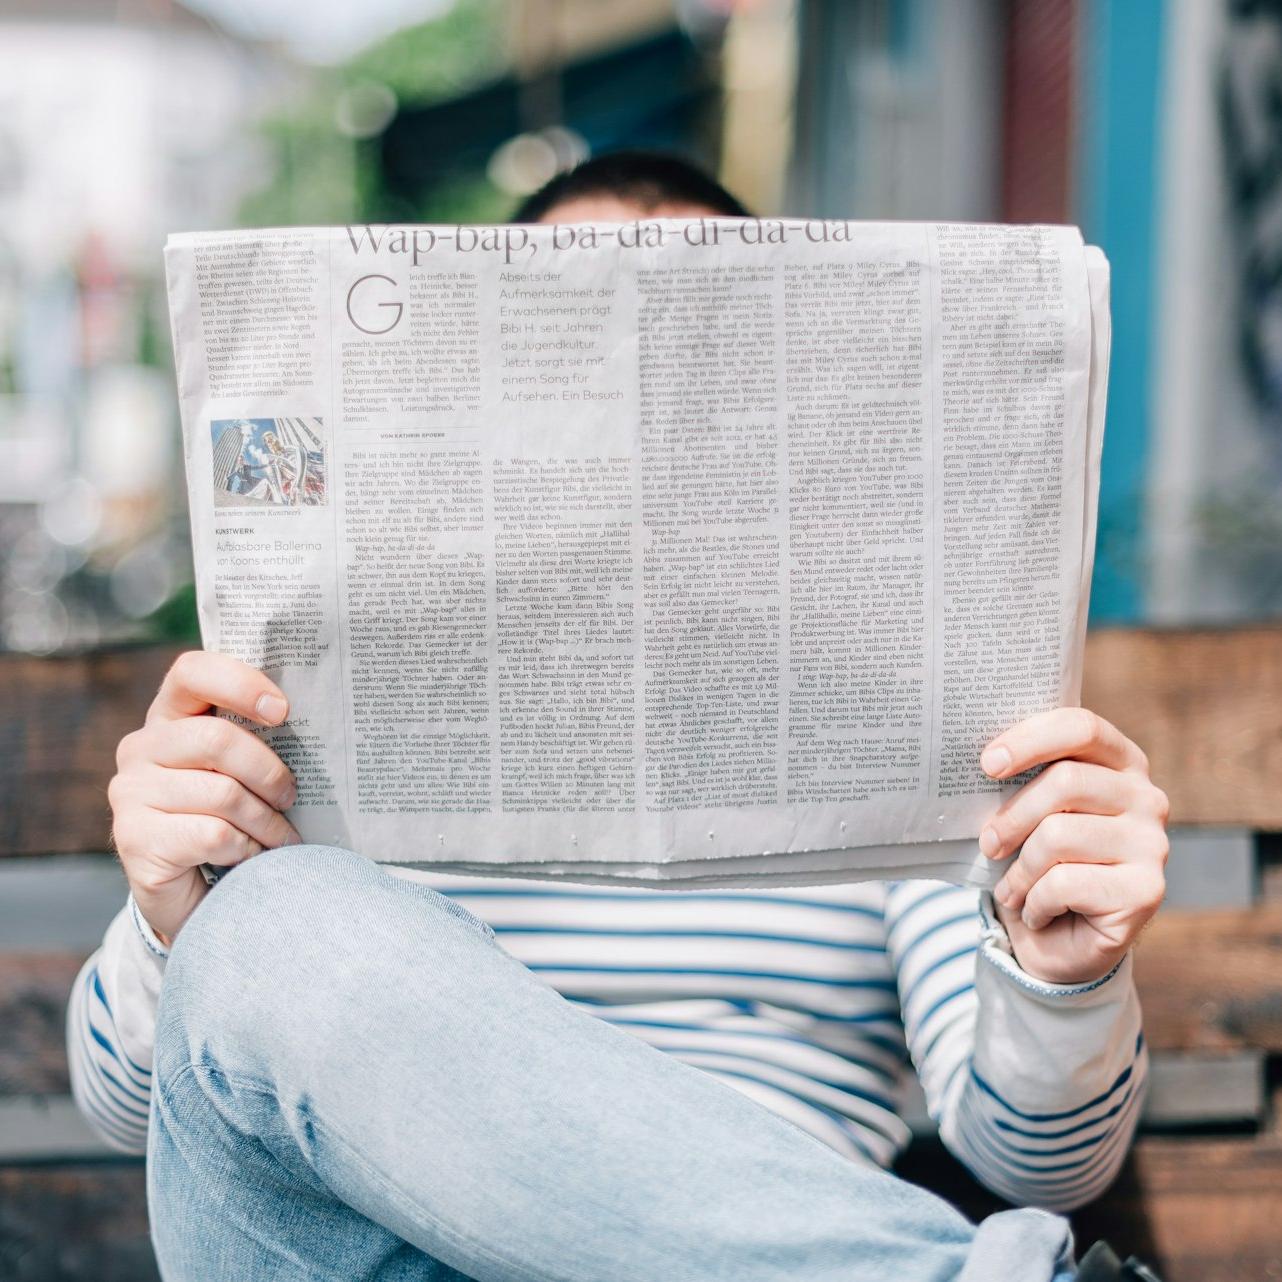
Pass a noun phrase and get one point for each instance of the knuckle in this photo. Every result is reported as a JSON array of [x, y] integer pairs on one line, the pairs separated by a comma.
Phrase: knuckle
[[1161, 804], [243, 846], [185, 667], [1050, 883], [212, 834], [277, 776], [1056, 833], [1162, 848], [214, 734], [1069, 779], [128, 749], [1066, 874], [116, 792], [123, 802], [1024, 876], [1028, 870], [224, 791], [1151, 890], [122, 837], [1089, 726], [1059, 882], [1041, 895], [179, 674]]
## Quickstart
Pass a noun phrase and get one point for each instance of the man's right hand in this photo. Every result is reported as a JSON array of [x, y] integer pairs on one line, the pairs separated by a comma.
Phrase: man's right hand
[[194, 789]]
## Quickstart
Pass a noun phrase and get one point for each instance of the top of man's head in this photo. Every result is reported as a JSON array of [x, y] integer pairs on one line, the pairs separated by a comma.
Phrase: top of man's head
[[624, 184]]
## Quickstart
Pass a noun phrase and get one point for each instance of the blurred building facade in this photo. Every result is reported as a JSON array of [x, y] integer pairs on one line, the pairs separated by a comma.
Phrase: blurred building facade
[[1153, 124], [118, 124]]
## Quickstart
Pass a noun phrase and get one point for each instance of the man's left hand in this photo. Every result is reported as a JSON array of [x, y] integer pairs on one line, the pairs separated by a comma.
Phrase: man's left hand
[[1092, 827]]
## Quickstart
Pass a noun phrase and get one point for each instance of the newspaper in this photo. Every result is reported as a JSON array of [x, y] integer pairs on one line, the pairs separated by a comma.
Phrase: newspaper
[[703, 552]]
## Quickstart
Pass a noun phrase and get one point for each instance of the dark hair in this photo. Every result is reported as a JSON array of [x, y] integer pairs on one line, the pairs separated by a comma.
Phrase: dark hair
[[648, 178]]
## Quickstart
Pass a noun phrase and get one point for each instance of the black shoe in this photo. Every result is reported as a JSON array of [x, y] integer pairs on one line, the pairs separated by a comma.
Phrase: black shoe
[[1100, 1264]]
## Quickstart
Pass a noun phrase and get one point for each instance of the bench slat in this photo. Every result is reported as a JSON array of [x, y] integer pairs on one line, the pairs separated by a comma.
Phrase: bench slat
[[1213, 980], [1200, 1210], [60, 721], [86, 1222], [1205, 705], [33, 1009]]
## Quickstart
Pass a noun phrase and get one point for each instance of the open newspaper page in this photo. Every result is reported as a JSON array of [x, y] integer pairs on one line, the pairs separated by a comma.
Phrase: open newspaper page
[[668, 552]]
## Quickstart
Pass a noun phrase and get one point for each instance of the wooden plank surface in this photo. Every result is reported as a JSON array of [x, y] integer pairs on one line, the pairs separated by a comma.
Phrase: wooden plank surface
[[1207, 708], [75, 1223], [1205, 705], [1200, 1210], [60, 721], [33, 1010], [1203, 1210], [1213, 980]]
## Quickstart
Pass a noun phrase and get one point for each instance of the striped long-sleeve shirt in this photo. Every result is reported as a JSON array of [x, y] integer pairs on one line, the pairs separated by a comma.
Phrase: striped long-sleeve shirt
[[813, 1002]]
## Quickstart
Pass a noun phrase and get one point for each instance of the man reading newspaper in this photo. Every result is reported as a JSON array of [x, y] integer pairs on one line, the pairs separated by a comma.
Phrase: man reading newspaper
[[339, 1070]]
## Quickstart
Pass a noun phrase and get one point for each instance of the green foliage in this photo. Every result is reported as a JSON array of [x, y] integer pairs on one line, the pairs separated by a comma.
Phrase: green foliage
[[153, 338], [176, 620], [319, 175], [312, 171], [436, 59], [465, 199]]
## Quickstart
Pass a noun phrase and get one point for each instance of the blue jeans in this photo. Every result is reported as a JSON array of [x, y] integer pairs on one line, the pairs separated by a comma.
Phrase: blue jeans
[[353, 1081]]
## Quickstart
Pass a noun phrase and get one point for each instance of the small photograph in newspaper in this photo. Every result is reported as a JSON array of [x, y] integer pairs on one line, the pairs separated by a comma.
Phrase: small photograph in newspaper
[[277, 461]]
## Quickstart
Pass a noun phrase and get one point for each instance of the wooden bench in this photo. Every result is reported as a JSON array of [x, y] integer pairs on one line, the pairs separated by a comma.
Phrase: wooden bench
[[1202, 1192]]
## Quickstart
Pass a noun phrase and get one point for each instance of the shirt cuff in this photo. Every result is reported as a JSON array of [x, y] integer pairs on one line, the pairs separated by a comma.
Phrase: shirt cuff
[[997, 950], [146, 936]]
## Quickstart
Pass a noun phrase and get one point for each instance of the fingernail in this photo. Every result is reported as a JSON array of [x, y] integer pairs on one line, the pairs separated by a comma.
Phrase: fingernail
[[287, 797], [990, 843], [995, 761], [1001, 891], [1028, 921], [271, 708]]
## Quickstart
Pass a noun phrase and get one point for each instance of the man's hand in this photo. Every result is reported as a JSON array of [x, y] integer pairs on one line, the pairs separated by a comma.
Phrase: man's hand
[[1093, 830], [194, 789]]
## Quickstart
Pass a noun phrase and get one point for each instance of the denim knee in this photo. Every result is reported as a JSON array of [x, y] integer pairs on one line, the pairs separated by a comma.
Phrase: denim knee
[[264, 900], [295, 927], [315, 887]]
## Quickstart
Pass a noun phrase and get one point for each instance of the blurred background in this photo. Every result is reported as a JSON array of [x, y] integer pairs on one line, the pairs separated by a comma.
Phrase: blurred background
[[1154, 124]]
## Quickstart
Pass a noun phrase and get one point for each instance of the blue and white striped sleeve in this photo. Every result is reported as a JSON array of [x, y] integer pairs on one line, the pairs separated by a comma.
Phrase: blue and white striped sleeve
[[1036, 1087], [111, 1030]]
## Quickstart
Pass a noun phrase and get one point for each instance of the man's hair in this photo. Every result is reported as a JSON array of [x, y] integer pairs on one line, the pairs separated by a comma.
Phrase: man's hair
[[646, 178]]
